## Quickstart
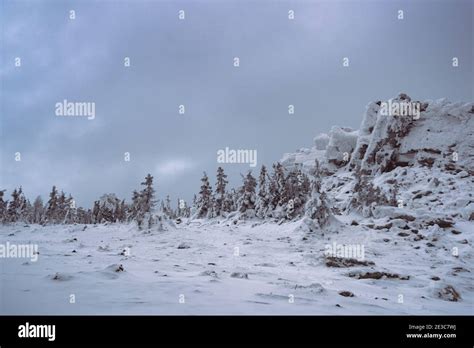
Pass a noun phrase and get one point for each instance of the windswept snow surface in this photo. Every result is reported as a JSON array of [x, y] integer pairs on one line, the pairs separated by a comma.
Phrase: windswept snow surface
[[223, 268]]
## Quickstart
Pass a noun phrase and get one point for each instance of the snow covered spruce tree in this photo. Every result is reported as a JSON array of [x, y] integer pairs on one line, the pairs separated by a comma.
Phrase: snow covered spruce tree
[[52, 206], [38, 211], [263, 198], [317, 208], [65, 209], [96, 215], [61, 209], [14, 207], [146, 203], [120, 211], [133, 209], [247, 196], [3, 207], [229, 201], [109, 209], [295, 193], [17, 209], [220, 196], [205, 200], [276, 188], [69, 210], [142, 204]]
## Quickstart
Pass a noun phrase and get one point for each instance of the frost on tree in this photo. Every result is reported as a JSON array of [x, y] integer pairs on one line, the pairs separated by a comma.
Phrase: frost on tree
[[3, 206], [143, 203], [276, 188], [263, 198], [38, 211], [205, 200], [220, 204], [316, 207], [247, 196], [295, 193]]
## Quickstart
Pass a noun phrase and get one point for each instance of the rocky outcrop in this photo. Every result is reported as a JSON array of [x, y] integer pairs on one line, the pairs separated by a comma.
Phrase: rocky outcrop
[[399, 132]]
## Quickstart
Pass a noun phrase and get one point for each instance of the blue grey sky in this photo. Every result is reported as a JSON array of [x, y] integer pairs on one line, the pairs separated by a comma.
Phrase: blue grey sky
[[190, 62]]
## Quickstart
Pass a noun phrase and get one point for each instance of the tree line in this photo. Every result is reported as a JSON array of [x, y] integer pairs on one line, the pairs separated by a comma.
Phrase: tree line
[[280, 194]]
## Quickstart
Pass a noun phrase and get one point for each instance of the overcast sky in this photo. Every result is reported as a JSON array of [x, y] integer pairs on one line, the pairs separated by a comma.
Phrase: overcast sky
[[190, 62]]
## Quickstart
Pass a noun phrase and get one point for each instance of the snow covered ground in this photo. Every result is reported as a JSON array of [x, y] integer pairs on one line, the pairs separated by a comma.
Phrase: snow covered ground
[[223, 268]]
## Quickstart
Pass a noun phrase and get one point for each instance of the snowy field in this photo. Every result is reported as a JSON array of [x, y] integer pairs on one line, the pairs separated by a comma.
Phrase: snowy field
[[223, 268]]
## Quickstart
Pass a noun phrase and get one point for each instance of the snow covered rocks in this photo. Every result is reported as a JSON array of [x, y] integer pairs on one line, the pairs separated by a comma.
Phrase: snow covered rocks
[[448, 293], [439, 132]]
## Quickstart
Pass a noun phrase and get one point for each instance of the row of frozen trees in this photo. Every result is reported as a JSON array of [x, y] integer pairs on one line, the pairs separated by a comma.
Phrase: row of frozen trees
[[281, 194]]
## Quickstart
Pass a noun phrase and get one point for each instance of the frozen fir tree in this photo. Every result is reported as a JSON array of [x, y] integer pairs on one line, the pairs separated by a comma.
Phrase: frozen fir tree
[[70, 210], [263, 198], [14, 207], [145, 203], [247, 195], [276, 189], [108, 205], [317, 208], [38, 210], [295, 193], [220, 196], [229, 201], [134, 207], [205, 200], [52, 209], [96, 215], [63, 207], [13, 211], [120, 213], [3, 206], [18, 206], [147, 195]]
